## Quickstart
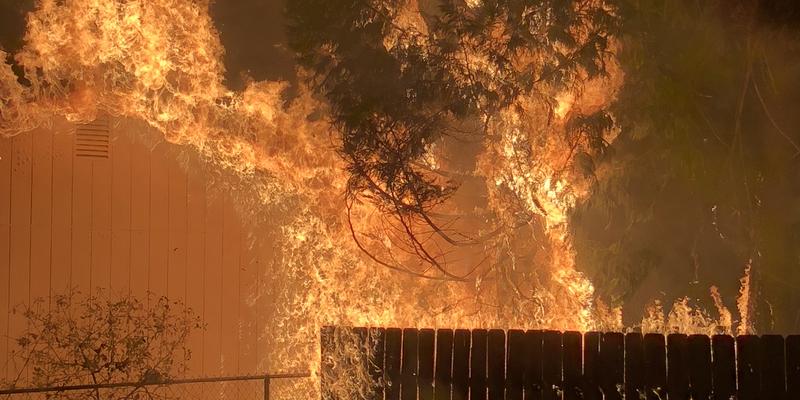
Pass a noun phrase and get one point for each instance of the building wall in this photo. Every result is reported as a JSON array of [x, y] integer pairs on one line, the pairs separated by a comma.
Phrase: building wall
[[132, 223]]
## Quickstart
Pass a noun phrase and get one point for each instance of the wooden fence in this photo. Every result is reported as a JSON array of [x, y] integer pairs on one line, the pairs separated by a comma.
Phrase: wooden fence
[[410, 364]]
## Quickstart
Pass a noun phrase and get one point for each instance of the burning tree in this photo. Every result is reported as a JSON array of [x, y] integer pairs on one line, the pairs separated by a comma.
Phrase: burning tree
[[400, 76], [76, 339]]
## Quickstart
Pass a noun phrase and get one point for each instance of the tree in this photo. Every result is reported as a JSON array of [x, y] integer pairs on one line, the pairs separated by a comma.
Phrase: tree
[[399, 75], [77, 339]]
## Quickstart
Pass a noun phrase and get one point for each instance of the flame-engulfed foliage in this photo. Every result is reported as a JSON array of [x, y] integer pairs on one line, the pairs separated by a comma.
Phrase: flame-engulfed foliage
[[399, 79]]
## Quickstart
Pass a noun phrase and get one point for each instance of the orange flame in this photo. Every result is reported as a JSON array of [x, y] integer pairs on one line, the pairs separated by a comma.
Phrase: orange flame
[[158, 61]]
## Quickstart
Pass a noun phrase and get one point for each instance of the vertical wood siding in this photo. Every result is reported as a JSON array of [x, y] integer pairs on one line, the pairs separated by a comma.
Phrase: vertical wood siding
[[142, 220]]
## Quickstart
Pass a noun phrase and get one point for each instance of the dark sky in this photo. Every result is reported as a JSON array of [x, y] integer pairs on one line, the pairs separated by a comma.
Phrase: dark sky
[[12, 22], [252, 32]]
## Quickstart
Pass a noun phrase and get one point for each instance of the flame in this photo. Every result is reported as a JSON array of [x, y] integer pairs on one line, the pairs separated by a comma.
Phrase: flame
[[563, 104], [725, 318], [743, 303], [690, 319], [158, 61]]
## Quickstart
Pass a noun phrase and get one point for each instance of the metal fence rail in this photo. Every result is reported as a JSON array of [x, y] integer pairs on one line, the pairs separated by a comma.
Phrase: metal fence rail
[[255, 387]]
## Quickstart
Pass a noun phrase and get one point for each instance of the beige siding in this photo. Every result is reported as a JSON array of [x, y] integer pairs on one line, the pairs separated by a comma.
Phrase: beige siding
[[61, 233], [121, 211], [20, 243], [41, 213], [5, 251], [196, 262], [136, 222], [212, 286]]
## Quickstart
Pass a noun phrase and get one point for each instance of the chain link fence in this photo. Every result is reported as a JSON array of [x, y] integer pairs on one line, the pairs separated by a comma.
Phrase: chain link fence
[[256, 387]]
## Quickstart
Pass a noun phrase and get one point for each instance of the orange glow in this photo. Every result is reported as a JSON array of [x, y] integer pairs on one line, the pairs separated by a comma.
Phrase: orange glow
[[159, 61]]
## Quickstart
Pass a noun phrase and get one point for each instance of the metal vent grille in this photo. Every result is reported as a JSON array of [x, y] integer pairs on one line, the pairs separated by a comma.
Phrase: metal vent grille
[[93, 140]]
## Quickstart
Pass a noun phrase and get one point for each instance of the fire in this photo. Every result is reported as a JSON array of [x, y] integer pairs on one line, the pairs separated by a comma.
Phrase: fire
[[685, 318], [564, 104], [743, 303], [158, 61]]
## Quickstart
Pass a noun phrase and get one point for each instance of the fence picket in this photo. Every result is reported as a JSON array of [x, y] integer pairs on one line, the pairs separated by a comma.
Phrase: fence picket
[[443, 376], [515, 370], [377, 346], [392, 363], [773, 367], [408, 369], [677, 367], [612, 374], [793, 366], [655, 367], [411, 364], [551, 365], [591, 366], [723, 366], [462, 341], [634, 365], [534, 341], [477, 365], [572, 361], [699, 349]]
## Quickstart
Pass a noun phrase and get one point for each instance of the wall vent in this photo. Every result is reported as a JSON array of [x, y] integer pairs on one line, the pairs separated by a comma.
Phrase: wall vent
[[93, 140]]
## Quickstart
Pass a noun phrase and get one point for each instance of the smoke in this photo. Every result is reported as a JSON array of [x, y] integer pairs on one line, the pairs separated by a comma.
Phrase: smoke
[[699, 182]]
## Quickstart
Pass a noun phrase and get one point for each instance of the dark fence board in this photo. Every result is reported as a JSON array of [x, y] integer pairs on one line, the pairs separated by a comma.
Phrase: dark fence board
[[392, 362], [551, 365], [377, 345], [409, 371], [591, 366], [634, 365], [572, 361], [425, 354], [793, 366], [699, 359], [612, 360], [723, 365], [655, 366], [534, 344], [413, 364], [515, 367], [443, 375], [677, 367], [497, 364], [773, 367], [748, 367], [477, 365], [461, 349]]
